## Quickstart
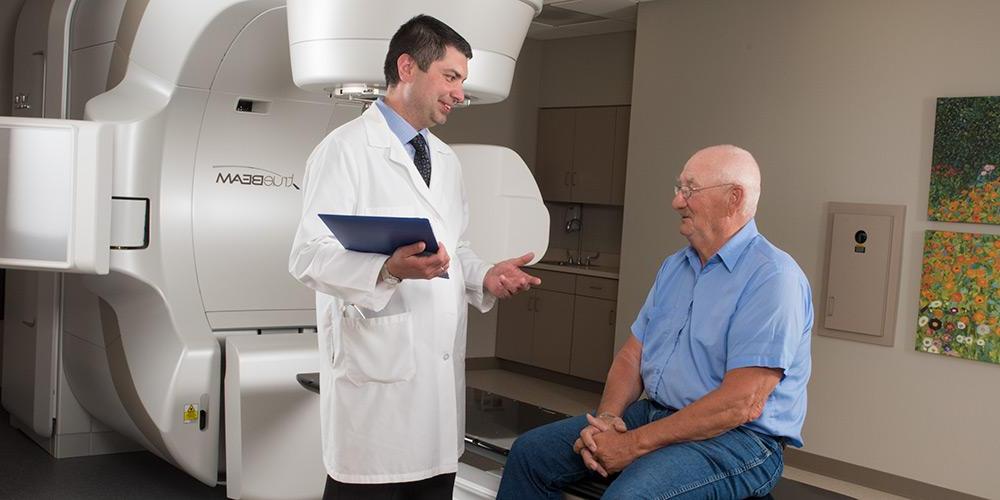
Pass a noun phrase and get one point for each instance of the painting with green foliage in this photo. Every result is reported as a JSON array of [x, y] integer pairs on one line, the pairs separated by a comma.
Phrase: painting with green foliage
[[960, 296], [965, 179]]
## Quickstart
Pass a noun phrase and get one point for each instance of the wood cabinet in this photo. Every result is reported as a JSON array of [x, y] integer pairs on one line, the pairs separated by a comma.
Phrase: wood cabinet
[[593, 338], [567, 325], [581, 154], [555, 153], [516, 327], [553, 331]]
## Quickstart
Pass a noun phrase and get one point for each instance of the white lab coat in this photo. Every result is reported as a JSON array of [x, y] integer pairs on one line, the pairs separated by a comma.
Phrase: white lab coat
[[392, 385]]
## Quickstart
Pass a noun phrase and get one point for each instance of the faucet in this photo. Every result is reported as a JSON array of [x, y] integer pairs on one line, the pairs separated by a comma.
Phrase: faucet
[[574, 219]]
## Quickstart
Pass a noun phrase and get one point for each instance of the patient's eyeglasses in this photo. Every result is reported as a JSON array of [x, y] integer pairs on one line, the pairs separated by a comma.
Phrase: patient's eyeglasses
[[687, 191]]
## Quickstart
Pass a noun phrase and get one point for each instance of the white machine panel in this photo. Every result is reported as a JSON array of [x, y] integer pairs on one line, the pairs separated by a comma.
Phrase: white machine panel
[[55, 194], [247, 200], [507, 217], [273, 440], [345, 42], [863, 272]]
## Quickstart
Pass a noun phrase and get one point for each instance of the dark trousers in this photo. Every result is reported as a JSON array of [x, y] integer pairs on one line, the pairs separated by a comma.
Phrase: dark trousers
[[433, 488]]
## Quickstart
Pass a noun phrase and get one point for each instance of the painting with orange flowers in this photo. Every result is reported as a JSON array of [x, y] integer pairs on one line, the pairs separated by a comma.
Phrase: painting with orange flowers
[[965, 179], [960, 296]]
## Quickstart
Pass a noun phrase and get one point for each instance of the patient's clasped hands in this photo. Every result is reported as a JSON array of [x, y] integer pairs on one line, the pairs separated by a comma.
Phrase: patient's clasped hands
[[606, 445]]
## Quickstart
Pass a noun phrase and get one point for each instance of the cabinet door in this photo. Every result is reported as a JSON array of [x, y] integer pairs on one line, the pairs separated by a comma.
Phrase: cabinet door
[[554, 161], [620, 156], [593, 153], [515, 320], [553, 331], [593, 338]]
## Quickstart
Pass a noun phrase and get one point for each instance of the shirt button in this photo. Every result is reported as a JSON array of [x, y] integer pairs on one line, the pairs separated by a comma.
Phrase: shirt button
[[446, 356]]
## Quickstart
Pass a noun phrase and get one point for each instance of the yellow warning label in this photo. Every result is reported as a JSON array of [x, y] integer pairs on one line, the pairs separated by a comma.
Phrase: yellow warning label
[[190, 413]]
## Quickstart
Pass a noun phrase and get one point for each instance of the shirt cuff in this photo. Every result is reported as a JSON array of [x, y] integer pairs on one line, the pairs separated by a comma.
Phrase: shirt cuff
[[475, 293]]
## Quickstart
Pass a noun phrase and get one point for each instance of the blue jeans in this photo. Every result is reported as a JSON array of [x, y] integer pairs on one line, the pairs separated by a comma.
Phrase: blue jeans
[[738, 464]]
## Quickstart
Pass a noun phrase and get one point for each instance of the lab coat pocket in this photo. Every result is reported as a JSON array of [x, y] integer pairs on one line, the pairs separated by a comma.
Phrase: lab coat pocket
[[379, 349]]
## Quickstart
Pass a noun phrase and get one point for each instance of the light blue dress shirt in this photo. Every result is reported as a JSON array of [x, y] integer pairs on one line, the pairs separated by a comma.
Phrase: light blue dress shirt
[[750, 305], [401, 128]]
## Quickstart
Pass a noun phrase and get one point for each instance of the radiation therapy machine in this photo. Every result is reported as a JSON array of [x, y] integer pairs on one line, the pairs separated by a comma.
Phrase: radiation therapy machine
[[148, 299]]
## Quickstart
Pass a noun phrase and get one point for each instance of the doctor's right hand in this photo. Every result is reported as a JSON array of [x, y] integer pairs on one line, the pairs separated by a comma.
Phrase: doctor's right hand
[[407, 263]]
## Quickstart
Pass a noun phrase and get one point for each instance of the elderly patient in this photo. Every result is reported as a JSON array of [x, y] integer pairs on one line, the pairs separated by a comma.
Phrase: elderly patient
[[721, 349]]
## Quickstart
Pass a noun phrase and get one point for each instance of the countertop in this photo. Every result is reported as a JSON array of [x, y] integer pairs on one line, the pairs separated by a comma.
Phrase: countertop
[[596, 271]]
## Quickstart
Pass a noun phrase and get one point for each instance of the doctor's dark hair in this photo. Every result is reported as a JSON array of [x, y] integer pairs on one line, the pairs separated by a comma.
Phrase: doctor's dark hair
[[425, 39]]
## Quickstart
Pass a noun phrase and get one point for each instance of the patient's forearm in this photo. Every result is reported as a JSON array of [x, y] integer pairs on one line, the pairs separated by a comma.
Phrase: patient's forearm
[[739, 400], [624, 384]]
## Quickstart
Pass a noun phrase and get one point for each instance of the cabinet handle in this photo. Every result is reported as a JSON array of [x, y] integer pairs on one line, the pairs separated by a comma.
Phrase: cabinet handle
[[611, 317], [566, 177], [594, 287], [572, 177], [537, 300], [30, 324]]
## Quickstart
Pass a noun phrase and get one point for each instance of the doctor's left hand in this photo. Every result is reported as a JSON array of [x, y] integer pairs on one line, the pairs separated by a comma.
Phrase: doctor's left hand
[[506, 278]]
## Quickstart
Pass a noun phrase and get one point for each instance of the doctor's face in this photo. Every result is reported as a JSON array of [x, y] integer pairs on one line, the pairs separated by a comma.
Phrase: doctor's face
[[436, 91]]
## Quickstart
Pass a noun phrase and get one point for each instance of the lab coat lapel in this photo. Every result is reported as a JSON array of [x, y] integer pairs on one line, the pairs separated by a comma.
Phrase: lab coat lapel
[[441, 163], [380, 136]]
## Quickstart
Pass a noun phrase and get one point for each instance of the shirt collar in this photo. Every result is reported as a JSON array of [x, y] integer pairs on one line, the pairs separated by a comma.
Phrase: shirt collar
[[399, 126], [730, 253]]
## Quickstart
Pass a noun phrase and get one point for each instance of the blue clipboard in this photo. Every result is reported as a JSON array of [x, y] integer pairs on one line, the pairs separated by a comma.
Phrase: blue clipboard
[[372, 234]]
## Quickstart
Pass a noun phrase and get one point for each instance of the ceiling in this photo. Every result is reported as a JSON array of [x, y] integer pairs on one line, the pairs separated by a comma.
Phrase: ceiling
[[571, 18]]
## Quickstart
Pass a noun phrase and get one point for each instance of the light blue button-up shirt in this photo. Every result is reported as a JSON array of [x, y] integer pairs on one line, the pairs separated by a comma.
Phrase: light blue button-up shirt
[[401, 128], [749, 305]]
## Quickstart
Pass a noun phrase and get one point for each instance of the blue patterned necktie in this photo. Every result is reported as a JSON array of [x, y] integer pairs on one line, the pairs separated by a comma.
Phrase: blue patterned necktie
[[422, 158]]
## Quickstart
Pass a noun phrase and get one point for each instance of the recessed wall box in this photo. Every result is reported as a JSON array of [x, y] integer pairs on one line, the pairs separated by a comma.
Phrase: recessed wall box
[[861, 288]]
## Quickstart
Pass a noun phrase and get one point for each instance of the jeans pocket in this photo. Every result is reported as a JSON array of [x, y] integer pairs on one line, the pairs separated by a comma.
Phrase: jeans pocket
[[379, 349], [763, 449]]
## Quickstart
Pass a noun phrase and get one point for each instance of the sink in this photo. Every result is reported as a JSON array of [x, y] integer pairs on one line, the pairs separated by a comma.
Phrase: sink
[[564, 263]]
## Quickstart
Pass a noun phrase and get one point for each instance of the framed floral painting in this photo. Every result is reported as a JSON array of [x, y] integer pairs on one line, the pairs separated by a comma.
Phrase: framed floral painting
[[960, 296], [965, 178]]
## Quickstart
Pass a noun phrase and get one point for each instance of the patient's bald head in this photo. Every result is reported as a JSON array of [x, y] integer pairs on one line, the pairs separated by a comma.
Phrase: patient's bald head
[[728, 164]]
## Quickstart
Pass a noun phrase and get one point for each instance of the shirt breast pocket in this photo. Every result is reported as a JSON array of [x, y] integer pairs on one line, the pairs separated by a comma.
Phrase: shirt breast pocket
[[379, 350], [663, 328]]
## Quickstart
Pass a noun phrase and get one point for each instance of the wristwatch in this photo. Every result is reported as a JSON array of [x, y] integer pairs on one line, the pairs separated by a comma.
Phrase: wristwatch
[[386, 276]]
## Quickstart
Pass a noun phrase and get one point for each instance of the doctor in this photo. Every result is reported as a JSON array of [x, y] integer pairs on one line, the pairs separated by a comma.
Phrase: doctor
[[392, 330]]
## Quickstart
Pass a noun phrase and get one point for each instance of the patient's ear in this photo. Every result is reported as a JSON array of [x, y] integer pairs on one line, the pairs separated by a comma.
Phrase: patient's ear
[[735, 199]]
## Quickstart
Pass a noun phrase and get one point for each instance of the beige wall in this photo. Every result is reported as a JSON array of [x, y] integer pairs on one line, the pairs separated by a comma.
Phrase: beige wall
[[587, 71], [836, 100]]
